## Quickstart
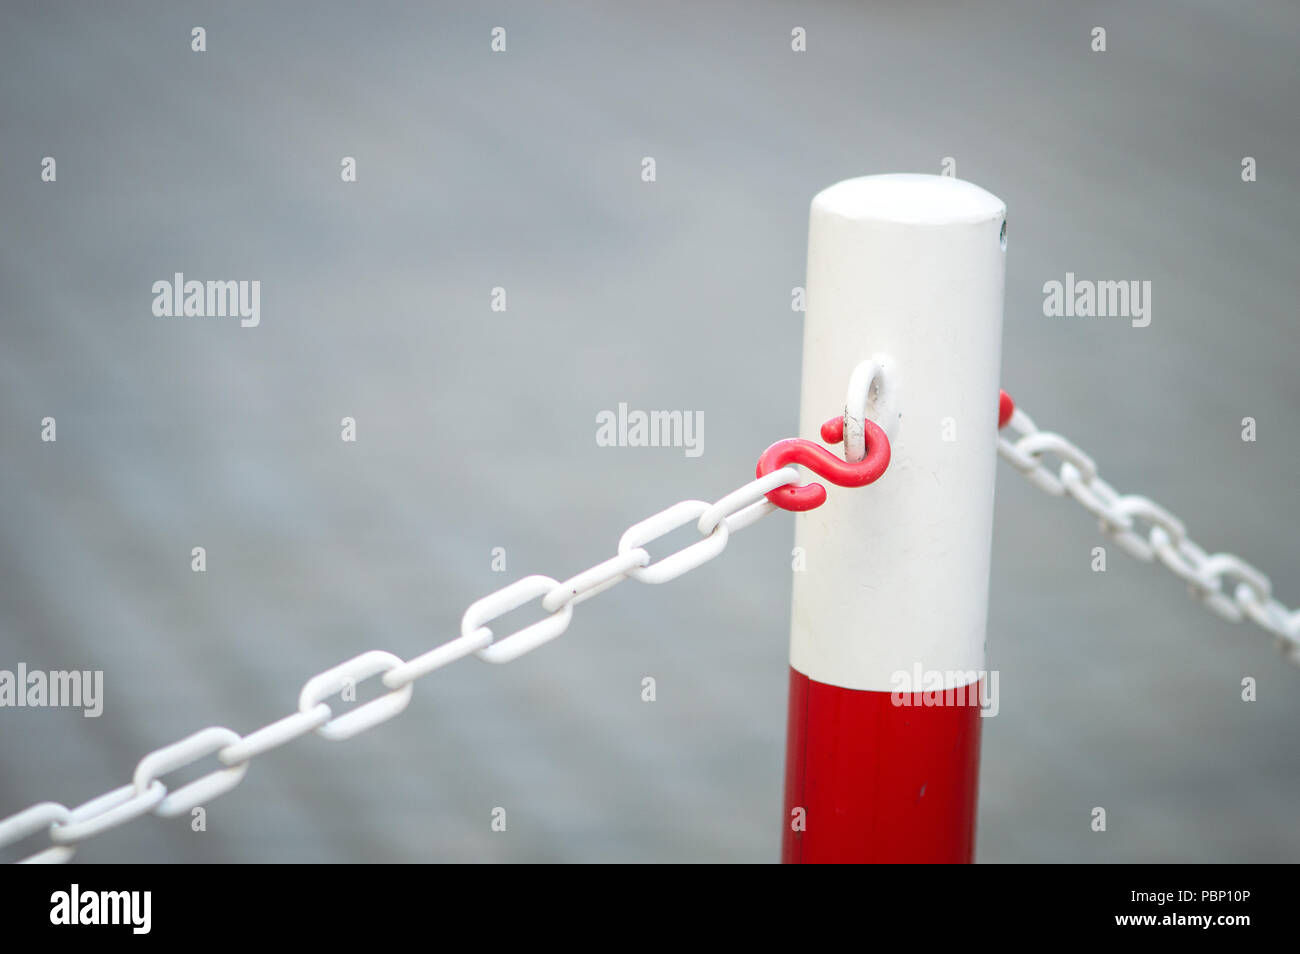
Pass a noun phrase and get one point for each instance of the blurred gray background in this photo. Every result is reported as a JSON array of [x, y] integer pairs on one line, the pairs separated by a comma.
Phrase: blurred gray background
[[476, 428]]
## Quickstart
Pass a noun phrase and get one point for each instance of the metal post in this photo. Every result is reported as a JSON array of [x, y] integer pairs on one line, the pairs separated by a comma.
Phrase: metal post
[[909, 269]]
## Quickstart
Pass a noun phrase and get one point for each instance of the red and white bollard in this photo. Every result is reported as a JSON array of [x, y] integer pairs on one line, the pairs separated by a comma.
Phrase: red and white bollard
[[907, 269]]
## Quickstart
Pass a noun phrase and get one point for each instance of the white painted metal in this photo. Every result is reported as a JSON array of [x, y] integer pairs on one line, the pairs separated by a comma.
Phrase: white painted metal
[[746, 504], [347, 675], [484, 611], [277, 734], [107, 811], [664, 523], [41, 816], [1225, 583], [896, 573], [872, 395], [179, 754]]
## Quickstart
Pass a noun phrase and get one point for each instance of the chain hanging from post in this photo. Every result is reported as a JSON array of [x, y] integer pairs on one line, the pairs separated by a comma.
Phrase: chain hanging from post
[[715, 522], [1122, 518]]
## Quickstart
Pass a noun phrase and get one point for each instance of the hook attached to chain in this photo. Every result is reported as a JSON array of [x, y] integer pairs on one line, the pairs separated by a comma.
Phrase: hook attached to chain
[[826, 465]]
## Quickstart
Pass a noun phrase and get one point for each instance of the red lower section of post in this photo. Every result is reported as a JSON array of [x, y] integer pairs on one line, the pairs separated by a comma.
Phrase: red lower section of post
[[879, 782]]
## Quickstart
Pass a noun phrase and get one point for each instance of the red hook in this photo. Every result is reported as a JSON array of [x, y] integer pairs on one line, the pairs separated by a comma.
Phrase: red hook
[[825, 464], [822, 462], [1006, 407]]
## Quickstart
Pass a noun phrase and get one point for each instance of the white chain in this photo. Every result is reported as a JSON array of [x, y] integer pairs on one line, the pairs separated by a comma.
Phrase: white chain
[[147, 794], [1122, 517]]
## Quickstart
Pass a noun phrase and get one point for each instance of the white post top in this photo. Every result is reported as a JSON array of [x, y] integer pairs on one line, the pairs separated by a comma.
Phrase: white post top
[[910, 199], [910, 267]]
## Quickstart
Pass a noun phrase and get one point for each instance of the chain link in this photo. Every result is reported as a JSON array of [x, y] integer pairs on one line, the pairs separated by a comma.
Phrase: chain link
[[1123, 517], [147, 794]]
